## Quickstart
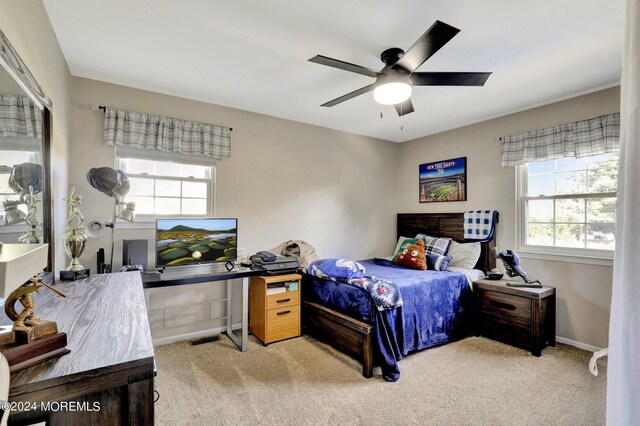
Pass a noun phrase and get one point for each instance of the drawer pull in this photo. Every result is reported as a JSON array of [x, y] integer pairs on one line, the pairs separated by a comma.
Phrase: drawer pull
[[503, 305], [283, 300], [283, 313]]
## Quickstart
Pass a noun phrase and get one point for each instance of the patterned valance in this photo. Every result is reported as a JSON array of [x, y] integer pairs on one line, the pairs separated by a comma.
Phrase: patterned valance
[[584, 138], [19, 118], [135, 130]]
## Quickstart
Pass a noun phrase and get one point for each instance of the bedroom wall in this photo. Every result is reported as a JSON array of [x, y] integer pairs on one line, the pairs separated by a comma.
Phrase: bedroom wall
[[583, 290], [27, 26]]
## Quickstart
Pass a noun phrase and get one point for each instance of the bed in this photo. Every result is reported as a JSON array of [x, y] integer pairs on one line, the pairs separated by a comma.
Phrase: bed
[[437, 305]]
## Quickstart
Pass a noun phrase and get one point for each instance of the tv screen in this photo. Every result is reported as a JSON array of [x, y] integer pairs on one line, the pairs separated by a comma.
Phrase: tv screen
[[183, 242]]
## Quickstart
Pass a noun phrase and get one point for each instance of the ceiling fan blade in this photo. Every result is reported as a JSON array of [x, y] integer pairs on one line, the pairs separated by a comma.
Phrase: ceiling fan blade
[[335, 63], [437, 36], [449, 78], [348, 96], [404, 108]]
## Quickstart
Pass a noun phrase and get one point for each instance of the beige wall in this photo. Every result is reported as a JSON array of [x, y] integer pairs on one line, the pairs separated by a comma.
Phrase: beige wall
[[583, 291], [27, 26], [284, 180]]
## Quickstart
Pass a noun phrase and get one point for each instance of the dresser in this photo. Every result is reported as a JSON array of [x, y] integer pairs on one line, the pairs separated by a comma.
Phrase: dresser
[[107, 378], [520, 316], [274, 317]]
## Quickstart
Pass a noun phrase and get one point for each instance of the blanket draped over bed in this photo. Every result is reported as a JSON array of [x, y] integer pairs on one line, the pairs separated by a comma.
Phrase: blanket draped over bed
[[435, 310]]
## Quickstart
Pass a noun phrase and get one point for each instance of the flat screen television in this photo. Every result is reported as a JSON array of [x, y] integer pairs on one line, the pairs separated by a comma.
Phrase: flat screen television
[[183, 242]]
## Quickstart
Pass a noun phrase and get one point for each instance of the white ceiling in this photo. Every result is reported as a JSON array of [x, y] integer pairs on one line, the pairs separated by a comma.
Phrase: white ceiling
[[253, 55]]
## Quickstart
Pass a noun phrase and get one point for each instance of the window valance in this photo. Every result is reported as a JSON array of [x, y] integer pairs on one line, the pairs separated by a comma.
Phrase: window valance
[[594, 136], [20, 119], [135, 130]]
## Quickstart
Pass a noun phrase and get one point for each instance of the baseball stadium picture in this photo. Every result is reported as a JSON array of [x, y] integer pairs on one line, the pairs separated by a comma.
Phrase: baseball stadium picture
[[443, 181]]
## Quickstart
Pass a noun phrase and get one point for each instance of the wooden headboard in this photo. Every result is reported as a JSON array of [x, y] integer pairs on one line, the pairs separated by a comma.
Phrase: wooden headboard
[[444, 225]]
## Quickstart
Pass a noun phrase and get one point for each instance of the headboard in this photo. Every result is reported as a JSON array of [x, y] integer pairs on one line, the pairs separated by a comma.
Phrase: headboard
[[444, 225]]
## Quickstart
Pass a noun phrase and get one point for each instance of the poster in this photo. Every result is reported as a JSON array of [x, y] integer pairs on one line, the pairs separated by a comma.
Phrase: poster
[[443, 181]]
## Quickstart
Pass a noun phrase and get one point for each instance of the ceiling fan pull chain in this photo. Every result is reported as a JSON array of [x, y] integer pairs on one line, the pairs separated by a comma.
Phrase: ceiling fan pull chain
[[381, 114]]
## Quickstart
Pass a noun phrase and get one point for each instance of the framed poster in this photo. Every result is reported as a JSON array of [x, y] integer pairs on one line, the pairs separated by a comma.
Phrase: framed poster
[[443, 181]]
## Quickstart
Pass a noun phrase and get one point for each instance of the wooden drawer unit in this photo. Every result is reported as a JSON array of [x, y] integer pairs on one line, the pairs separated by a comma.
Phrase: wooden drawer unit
[[274, 317], [523, 317]]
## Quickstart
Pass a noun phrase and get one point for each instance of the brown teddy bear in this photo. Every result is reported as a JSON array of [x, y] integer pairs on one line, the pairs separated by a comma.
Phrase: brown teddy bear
[[413, 256]]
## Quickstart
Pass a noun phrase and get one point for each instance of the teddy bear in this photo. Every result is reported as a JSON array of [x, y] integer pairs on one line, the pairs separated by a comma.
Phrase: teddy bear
[[413, 256]]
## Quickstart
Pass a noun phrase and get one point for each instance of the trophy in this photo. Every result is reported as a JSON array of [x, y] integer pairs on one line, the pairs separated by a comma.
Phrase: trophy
[[75, 240], [31, 219]]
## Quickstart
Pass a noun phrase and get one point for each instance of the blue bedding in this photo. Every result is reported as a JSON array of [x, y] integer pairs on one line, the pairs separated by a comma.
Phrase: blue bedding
[[436, 310]]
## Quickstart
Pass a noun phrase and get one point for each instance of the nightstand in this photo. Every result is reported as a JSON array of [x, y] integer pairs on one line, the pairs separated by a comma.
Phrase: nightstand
[[274, 317], [519, 316]]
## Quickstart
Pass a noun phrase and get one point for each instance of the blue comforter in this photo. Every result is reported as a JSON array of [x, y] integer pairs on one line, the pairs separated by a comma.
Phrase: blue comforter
[[436, 310]]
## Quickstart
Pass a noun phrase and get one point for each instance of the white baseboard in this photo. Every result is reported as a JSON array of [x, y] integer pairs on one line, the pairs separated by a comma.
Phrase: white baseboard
[[577, 344], [193, 335]]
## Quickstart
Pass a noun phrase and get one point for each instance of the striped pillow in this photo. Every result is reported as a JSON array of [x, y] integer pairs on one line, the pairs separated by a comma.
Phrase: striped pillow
[[435, 245]]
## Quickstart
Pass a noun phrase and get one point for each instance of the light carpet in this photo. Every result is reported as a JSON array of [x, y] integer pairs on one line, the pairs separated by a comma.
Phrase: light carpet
[[302, 381]]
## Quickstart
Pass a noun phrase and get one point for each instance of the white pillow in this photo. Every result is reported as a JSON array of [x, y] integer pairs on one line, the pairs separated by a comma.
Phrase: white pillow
[[464, 255], [400, 241]]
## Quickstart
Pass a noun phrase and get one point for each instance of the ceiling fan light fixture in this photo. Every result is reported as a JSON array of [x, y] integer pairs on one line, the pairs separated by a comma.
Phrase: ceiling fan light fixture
[[392, 89]]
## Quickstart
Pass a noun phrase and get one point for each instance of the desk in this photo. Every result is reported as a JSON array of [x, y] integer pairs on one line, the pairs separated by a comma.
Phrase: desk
[[111, 362], [239, 273]]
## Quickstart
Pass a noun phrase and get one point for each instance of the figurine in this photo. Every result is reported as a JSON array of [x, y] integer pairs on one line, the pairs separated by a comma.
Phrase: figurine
[[74, 202], [26, 319]]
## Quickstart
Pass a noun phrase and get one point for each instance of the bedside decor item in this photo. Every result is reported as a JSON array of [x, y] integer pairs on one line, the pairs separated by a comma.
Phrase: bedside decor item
[[30, 340], [443, 181], [75, 239], [494, 274], [511, 262]]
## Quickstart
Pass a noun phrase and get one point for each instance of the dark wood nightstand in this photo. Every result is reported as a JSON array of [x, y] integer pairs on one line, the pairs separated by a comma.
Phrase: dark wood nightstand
[[519, 316]]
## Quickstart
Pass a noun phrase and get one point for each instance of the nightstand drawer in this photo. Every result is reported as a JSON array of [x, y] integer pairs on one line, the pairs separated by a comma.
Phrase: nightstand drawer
[[506, 305], [283, 323], [281, 300], [505, 329]]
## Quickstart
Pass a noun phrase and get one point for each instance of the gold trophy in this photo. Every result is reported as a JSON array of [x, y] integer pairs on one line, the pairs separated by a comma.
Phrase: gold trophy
[[75, 240]]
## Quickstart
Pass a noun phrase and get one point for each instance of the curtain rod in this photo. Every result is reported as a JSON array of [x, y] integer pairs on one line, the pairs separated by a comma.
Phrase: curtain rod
[[97, 107]]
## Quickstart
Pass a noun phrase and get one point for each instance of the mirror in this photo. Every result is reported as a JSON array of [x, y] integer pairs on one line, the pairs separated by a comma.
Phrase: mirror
[[25, 195]]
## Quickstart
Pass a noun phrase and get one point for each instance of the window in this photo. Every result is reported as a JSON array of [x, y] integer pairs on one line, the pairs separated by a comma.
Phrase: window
[[161, 188], [569, 204]]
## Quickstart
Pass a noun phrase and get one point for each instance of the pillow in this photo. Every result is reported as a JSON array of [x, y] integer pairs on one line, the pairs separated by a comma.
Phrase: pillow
[[412, 257], [400, 242], [435, 245], [438, 262], [403, 243], [464, 255], [336, 268]]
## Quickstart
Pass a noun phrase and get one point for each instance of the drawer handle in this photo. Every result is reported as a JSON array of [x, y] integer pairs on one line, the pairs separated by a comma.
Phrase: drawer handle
[[503, 305], [283, 300], [283, 313]]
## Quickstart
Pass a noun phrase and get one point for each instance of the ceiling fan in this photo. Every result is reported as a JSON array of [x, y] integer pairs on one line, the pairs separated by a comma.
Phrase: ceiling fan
[[395, 80]]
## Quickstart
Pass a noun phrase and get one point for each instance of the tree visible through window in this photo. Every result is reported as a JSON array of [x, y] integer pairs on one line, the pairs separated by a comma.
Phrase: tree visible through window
[[571, 202]]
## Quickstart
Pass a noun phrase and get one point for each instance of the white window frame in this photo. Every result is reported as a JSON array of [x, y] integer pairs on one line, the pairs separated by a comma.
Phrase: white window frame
[[147, 221], [561, 254]]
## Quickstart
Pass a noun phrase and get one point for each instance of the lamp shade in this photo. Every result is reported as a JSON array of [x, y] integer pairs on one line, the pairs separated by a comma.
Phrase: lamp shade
[[18, 263], [12, 214], [25, 175], [392, 93], [129, 212], [113, 183]]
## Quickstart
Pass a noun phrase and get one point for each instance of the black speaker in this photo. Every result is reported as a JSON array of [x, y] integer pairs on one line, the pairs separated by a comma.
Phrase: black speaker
[[135, 252]]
